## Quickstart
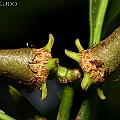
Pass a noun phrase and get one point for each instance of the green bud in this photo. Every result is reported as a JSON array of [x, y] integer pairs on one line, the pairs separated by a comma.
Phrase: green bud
[[87, 81], [101, 94]]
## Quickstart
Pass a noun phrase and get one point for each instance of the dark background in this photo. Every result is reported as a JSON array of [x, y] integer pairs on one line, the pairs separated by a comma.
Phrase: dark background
[[31, 22]]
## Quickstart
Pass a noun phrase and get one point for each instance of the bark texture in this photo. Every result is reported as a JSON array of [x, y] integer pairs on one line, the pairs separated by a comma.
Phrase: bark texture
[[102, 59], [25, 65]]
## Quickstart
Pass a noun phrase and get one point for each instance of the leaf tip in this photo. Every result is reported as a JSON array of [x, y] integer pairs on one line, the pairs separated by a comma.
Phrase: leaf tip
[[78, 45], [50, 43], [101, 94], [86, 82]]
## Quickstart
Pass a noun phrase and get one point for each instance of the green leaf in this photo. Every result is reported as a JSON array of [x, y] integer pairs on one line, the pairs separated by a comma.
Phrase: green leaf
[[97, 10], [113, 10], [25, 109], [3, 116]]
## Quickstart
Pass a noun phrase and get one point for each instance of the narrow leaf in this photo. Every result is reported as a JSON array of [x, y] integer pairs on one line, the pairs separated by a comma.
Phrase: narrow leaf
[[3, 116], [113, 10], [25, 109], [97, 9]]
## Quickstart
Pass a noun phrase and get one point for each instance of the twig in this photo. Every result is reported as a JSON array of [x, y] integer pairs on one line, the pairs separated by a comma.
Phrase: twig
[[66, 102]]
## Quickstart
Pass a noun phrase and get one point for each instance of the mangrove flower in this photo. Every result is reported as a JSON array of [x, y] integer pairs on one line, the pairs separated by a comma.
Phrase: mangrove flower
[[29, 65], [99, 61]]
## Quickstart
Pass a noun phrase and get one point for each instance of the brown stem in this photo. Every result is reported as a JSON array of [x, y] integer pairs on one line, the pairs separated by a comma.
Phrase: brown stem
[[102, 59], [20, 65], [15, 63], [108, 51]]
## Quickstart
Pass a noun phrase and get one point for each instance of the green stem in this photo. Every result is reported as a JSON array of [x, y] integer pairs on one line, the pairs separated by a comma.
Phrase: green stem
[[66, 102], [87, 105], [65, 75], [3, 116]]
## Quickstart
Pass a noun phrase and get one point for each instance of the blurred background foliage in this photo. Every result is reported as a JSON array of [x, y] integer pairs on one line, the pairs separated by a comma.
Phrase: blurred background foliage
[[31, 22]]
